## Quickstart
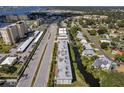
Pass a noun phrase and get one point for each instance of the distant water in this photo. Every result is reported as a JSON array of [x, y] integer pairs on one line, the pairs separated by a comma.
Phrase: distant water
[[10, 10], [4, 24]]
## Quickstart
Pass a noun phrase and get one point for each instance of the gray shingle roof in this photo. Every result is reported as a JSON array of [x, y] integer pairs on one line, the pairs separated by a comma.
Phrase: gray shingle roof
[[88, 52], [80, 35], [101, 61], [87, 46]]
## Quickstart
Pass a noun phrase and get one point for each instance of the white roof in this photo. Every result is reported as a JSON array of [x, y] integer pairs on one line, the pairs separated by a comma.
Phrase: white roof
[[88, 46], [36, 33], [25, 44], [60, 29], [88, 52], [83, 41], [8, 61], [62, 32], [103, 40], [80, 35], [38, 37]]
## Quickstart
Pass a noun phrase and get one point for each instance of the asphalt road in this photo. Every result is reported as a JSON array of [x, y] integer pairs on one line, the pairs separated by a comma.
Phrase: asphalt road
[[26, 79], [43, 73]]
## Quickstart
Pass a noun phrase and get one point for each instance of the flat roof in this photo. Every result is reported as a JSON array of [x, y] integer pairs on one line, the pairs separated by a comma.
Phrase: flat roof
[[36, 33], [63, 62], [62, 32], [25, 44], [105, 40], [60, 29], [8, 60], [38, 37]]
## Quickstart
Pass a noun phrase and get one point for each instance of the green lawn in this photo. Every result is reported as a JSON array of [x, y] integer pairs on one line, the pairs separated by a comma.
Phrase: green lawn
[[3, 47], [51, 81], [72, 53], [11, 75], [80, 81], [108, 52], [97, 38], [97, 73]]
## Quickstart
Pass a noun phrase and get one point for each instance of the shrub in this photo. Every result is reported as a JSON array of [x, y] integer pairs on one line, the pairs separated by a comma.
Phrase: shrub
[[104, 45], [8, 69]]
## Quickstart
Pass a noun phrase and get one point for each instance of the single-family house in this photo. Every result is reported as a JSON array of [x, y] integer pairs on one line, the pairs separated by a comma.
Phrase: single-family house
[[102, 62], [80, 35], [88, 50]]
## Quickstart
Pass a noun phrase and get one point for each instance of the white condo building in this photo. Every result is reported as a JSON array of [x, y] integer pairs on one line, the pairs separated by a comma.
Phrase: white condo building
[[13, 32], [22, 28], [9, 34]]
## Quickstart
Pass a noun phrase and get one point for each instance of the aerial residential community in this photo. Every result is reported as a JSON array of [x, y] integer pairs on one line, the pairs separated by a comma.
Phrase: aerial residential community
[[61, 46]]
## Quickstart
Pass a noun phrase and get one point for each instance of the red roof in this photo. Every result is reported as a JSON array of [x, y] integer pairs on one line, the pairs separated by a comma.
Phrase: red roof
[[119, 52]]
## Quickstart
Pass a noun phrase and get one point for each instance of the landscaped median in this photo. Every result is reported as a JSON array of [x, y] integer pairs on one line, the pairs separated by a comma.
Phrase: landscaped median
[[38, 67], [51, 82]]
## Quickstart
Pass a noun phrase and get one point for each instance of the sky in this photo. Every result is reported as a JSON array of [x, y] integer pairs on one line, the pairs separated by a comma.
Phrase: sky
[[62, 2]]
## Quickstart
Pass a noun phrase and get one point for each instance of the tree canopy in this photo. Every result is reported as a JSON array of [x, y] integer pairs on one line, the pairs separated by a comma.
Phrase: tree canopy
[[74, 29], [102, 30], [92, 32], [8, 69], [120, 57], [104, 45], [120, 23]]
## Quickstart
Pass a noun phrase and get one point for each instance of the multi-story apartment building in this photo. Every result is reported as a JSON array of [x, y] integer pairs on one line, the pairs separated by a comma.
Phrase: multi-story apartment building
[[6, 35], [22, 28], [13, 32], [10, 34]]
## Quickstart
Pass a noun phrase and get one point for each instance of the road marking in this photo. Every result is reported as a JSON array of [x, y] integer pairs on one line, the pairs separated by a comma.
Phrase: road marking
[[49, 36], [37, 73], [37, 70]]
